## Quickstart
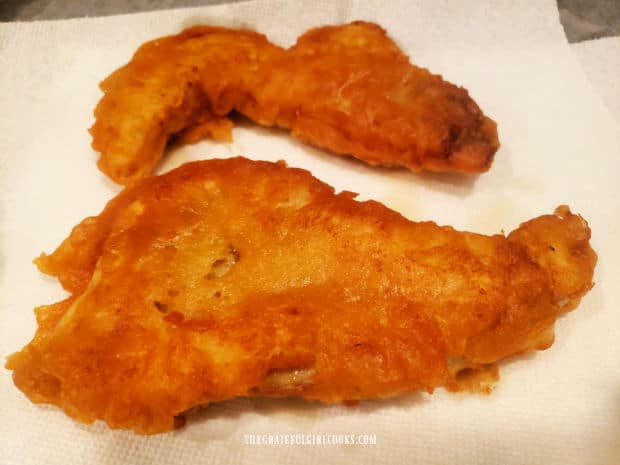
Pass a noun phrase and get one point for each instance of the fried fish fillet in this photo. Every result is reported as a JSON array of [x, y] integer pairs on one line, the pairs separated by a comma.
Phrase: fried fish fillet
[[191, 288], [348, 89]]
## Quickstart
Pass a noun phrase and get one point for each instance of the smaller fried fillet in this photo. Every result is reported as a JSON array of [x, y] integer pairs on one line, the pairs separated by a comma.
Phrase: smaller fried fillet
[[192, 288], [348, 89]]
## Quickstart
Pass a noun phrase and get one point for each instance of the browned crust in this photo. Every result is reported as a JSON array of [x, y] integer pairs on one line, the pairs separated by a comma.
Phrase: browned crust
[[193, 287]]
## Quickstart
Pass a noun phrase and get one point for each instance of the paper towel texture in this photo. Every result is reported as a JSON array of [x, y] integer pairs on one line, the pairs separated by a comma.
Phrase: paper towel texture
[[600, 60], [559, 145]]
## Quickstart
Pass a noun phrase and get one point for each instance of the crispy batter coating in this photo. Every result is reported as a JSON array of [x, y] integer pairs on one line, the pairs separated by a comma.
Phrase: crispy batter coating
[[345, 88], [191, 288]]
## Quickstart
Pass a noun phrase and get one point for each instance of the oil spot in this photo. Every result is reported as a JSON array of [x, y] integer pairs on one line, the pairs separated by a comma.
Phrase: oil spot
[[292, 311], [222, 265], [161, 307]]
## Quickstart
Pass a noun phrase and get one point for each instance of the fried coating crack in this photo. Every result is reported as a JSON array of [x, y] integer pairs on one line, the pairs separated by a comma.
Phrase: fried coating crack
[[191, 288], [348, 89]]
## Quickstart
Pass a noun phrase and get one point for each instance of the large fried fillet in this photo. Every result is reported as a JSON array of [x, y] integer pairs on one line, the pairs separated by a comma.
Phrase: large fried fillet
[[192, 287], [346, 88]]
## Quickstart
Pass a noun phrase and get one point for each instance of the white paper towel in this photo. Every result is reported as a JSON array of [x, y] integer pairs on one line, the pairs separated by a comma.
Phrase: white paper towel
[[559, 145], [600, 60]]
